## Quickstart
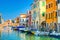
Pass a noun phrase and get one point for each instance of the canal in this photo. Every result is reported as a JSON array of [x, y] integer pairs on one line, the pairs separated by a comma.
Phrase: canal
[[15, 35]]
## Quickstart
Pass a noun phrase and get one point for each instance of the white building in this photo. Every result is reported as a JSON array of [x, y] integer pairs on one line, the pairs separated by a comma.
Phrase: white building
[[38, 13], [23, 19], [58, 15]]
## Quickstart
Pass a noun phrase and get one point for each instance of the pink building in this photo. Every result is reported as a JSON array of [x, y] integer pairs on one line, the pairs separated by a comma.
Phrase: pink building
[[29, 18]]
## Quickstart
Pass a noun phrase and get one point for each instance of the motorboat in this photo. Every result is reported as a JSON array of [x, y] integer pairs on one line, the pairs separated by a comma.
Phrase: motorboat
[[20, 28], [41, 33], [54, 34]]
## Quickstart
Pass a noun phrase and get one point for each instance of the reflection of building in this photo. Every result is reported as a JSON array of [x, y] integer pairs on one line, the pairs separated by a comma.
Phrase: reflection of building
[[58, 15], [23, 19], [38, 12], [51, 14]]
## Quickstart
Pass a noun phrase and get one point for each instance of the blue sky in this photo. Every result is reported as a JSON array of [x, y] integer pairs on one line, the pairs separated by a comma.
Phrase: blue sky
[[10, 9]]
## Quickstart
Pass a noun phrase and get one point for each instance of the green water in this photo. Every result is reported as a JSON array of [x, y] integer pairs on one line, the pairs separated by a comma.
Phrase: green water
[[15, 35]]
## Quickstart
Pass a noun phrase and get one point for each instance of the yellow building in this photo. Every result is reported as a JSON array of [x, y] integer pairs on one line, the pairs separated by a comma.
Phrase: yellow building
[[51, 14]]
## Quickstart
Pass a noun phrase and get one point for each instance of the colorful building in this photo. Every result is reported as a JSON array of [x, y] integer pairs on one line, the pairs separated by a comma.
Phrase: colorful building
[[17, 21], [35, 12], [51, 15], [29, 17], [58, 3], [0, 18], [38, 13], [23, 19]]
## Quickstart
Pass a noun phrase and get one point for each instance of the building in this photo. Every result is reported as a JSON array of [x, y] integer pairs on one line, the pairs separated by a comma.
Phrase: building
[[29, 17], [51, 15], [0, 19], [23, 19], [38, 13], [17, 21], [7, 23], [58, 3]]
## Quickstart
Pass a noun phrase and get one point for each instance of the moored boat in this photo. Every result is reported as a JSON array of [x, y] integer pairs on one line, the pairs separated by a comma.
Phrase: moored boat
[[54, 34]]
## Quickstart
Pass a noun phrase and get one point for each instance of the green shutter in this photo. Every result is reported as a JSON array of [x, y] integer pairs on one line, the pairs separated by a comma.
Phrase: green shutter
[[43, 3], [43, 14]]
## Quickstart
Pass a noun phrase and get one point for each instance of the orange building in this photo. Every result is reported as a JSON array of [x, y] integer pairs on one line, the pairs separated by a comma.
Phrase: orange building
[[51, 14]]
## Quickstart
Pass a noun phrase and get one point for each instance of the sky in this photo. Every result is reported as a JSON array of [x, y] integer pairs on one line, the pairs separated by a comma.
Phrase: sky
[[10, 9]]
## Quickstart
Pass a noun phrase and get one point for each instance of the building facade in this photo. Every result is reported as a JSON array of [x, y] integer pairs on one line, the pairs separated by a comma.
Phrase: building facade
[[51, 14], [58, 3], [0, 19], [17, 21], [29, 17], [38, 13], [35, 12], [23, 19]]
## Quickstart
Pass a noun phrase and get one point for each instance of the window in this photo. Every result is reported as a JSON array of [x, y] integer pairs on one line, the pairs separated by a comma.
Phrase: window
[[49, 5], [34, 15], [46, 16], [56, 14], [22, 20], [53, 14], [34, 6], [58, 1], [43, 14], [49, 15], [43, 3], [46, 6]]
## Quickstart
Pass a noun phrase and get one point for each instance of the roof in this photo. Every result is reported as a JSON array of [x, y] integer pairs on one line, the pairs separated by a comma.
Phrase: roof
[[23, 15]]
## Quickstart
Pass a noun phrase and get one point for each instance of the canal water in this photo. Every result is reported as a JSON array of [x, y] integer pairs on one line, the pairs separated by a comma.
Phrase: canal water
[[15, 35]]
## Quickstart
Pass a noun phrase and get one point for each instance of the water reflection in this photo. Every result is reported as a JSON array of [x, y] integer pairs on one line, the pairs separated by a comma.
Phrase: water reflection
[[16, 35], [0, 35]]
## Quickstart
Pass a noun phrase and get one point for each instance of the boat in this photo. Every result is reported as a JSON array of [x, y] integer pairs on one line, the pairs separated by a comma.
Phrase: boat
[[54, 34], [19, 28], [29, 33], [14, 28], [40, 33]]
